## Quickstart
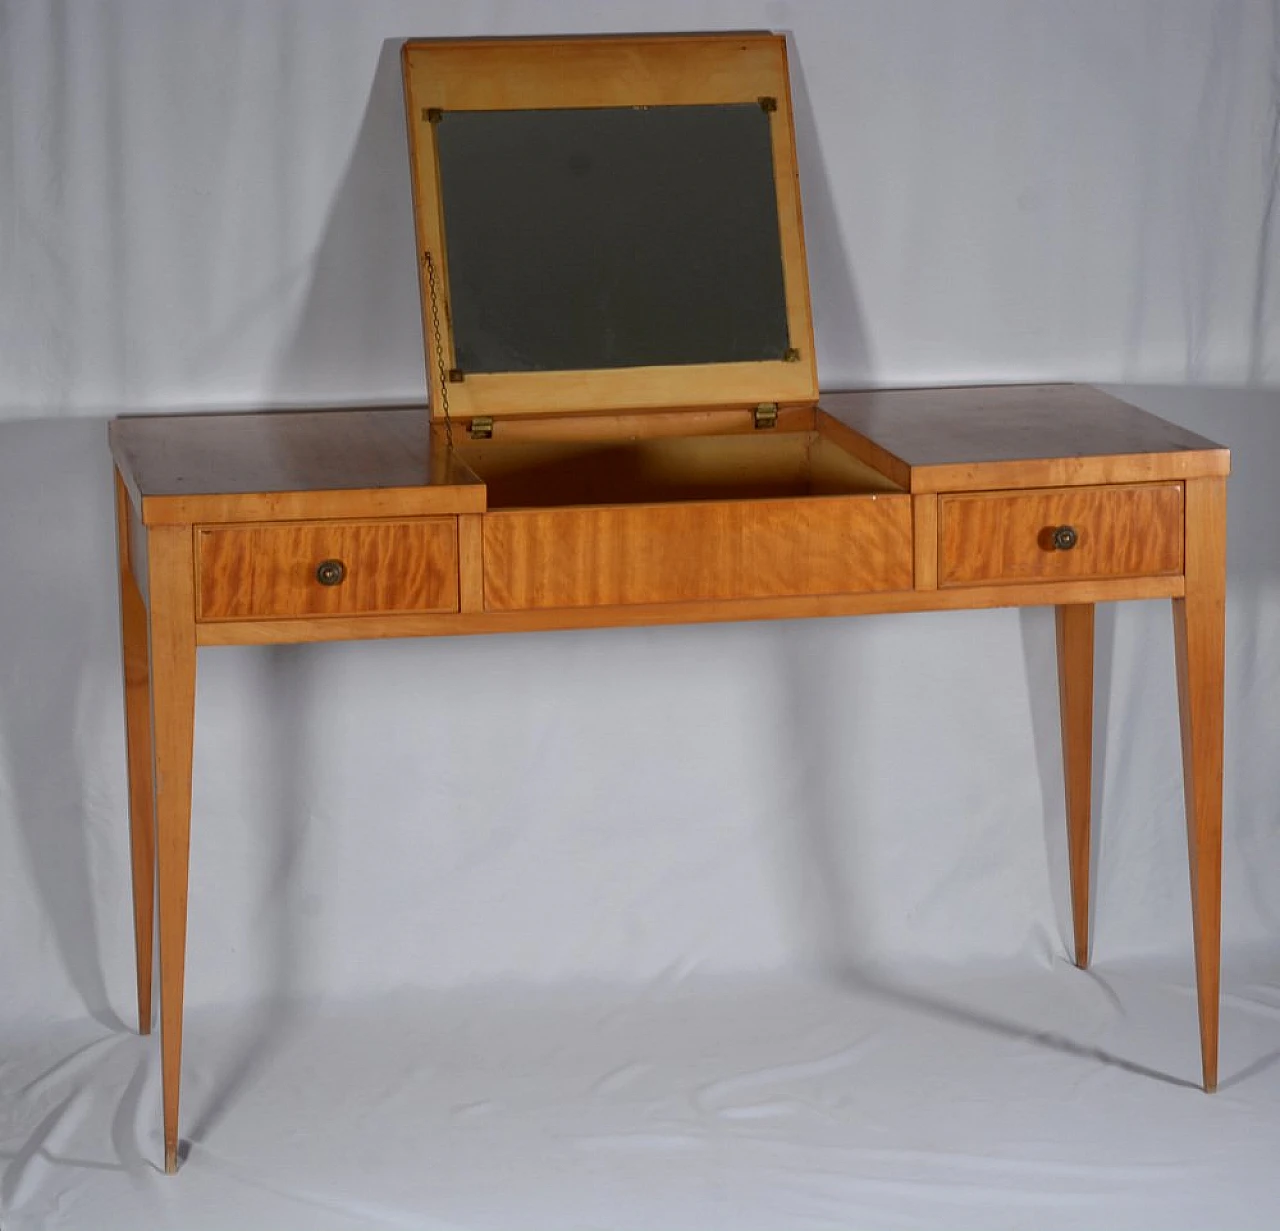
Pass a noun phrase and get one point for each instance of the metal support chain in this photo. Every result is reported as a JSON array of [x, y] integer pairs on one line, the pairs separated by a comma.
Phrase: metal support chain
[[439, 342]]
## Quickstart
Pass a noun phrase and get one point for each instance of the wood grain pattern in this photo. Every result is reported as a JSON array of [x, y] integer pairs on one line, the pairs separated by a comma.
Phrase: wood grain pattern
[[379, 462], [173, 696], [1066, 472], [924, 514], [254, 572], [313, 506], [1018, 436], [602, 71], [688, 552], [136, 542], [532, 393], [1123, 531], [502, 74], [1075, 624], [1199, 625], [471, 562], [136, 662], [639, 615]]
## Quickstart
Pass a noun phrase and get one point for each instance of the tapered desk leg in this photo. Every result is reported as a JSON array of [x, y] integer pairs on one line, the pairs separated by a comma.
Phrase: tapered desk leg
[[173, 689], [1199, 627], [137, 735], [1075, 694]]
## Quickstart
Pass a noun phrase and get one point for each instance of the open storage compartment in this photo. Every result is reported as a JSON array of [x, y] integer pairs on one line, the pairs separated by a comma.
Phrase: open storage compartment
[[539, 474], [602, 521]]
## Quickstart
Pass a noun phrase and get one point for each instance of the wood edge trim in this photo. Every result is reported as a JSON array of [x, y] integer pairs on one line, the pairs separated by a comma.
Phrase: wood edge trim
[[214, 507], [1051, 489], [421, 230], [124, 554], [1095, 470], [926, 546], [120, 461], [367, 627], [472, 43], [795, 258], [1204, 511], [952, 587], [168, 546], [293, 523], [132, 549], [647, 421], [828, 498], [628, 390], [470, 562]]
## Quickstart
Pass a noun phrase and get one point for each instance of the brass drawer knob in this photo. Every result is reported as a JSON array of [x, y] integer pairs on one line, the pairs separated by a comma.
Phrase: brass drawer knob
[[1065, 538], [331, 572]]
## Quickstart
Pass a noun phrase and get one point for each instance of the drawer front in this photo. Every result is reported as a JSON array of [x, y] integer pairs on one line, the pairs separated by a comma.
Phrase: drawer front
[[1010, 536], [608, 557], [272, 571]]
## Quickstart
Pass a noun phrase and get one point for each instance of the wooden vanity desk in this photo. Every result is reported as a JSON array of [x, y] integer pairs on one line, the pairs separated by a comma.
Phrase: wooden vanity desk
[[626, 429]]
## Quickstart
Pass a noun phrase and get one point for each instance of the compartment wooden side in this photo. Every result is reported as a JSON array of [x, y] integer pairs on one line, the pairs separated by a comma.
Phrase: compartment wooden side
[[615, 556]]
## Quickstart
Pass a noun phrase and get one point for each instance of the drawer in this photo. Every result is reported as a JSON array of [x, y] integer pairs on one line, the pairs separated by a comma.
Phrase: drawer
[[257, 572], [706, 551], [1010, 536]]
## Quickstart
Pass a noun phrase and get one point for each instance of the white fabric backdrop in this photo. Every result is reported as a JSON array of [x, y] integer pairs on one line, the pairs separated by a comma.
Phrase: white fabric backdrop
[[208, 205]]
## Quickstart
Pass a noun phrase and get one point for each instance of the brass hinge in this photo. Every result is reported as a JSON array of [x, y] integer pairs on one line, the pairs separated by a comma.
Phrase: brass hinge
[[481, 427], [766, 415]]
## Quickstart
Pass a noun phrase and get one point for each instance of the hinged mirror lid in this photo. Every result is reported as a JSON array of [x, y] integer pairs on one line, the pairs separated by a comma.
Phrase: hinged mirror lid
[[608, 223]]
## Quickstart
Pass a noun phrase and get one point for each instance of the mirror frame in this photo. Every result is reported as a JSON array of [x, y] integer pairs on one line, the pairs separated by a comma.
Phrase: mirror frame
[[663, 70]]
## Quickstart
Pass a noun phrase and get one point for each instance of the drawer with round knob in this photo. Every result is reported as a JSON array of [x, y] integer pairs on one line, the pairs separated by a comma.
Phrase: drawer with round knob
[[1060, 534], [304, 569]]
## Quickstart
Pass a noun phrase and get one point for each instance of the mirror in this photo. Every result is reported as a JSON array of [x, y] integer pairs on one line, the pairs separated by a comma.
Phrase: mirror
[[611, 237]]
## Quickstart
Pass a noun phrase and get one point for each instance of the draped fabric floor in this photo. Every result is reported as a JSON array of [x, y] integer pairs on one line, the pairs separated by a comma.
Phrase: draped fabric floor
[[1024, 1096]]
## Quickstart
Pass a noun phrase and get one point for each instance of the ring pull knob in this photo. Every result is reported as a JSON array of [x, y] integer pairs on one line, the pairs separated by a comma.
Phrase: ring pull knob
[[331, 572], [1065, 538]]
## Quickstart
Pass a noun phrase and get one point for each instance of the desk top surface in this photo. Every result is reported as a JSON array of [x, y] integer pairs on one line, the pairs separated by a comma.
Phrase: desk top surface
[[990, 435], [1006, 423], [280, 451], [289, 463], [938, 439]]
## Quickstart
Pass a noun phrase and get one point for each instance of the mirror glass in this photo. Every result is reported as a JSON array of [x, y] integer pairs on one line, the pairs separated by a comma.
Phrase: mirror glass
[[611, 237]]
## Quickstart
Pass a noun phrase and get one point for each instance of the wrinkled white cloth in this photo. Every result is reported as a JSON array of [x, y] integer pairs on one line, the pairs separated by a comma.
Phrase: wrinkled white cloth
[[1025, 1096]]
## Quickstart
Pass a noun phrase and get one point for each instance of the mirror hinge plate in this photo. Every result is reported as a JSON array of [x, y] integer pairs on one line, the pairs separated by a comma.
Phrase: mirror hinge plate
[[766, 415]]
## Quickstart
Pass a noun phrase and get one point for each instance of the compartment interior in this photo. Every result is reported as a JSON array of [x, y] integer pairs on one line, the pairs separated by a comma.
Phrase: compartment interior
[[551, 473]]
